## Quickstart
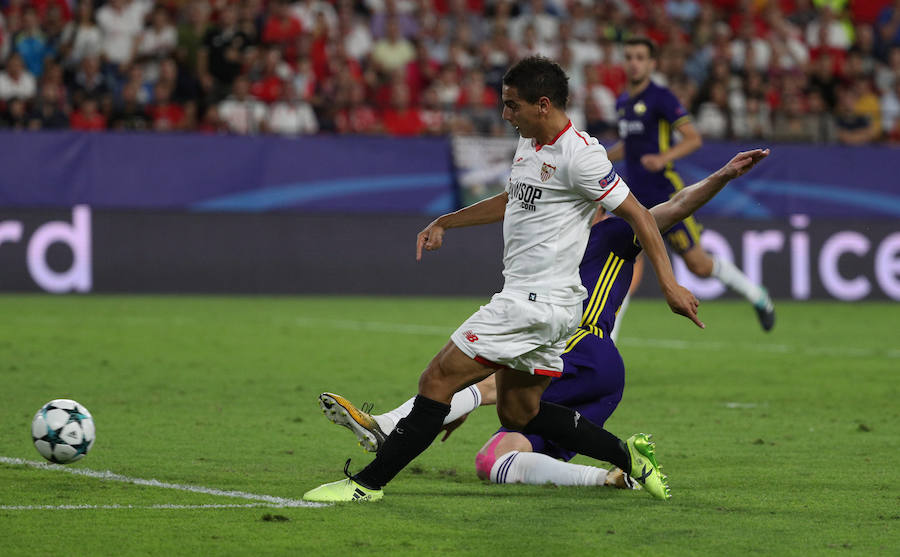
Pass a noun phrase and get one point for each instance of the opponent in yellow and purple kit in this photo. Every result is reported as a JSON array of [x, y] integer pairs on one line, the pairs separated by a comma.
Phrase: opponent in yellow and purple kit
[[646, 123]]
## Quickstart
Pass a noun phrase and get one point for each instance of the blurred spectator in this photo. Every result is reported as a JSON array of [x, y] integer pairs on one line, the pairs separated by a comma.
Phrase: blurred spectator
[[401, 118], [791, 123], [824, 80], [129, 114], [888, 24], [819, 119], [890, 110], [268, 86], [88, 117], [433, 117], [121, 23], [537, 18], [16, 81], [394, 51], [804, 13], [221, 55], [307, 12], [211, 123], [887, 74], [853, 128], [357, 116], [47, 113], [282, 28], [447, 86], [16, 115], [89, 82], [755, 121], [81, 37], [240, 112], [356, 36], [190, 36], [684, 11], [437, 38], [867, 104], [31, 43], [826, 30], [421, 72], [478, 105], [714, 117], [291, 115], [156, 42], [165, 114]]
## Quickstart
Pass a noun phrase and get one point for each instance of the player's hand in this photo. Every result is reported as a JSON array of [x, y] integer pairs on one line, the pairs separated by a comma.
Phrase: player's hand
[[684, 303], [741, 163], [431, 239], [653, 163], [451, 427]]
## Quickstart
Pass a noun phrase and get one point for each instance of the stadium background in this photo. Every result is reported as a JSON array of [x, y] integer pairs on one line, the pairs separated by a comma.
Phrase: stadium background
[[342, 120]]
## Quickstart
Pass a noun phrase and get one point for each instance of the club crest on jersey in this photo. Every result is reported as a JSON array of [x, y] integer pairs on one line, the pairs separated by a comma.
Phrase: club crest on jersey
[[547, 171]]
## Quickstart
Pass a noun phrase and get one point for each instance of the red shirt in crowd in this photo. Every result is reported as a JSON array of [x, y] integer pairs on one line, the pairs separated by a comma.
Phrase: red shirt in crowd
[[94, 122], [268, 89], [360, 119], [167, 116], [405, 121]]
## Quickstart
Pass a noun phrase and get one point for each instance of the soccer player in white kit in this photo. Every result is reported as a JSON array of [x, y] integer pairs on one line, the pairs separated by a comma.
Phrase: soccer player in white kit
[[558, 177]]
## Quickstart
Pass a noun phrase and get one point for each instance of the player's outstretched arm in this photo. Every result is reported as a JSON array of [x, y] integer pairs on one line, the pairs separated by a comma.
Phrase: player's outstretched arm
[[684, 203], [678, 297], [487, 211]]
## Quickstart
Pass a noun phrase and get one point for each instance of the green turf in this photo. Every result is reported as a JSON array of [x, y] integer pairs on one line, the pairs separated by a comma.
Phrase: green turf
[[774, 444]]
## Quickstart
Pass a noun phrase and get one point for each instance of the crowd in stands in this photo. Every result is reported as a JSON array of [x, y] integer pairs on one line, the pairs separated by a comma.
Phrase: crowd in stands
[[814, 71]]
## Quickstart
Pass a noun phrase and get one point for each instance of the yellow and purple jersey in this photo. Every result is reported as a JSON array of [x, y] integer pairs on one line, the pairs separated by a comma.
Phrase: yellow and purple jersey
[[606, 271], [646, 124]]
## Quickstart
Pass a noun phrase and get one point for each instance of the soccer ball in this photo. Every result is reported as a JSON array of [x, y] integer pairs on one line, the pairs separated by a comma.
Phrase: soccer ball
[[63, 431]]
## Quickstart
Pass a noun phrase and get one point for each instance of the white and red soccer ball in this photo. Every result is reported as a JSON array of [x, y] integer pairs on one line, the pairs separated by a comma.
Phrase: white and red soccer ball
[[63, 431]]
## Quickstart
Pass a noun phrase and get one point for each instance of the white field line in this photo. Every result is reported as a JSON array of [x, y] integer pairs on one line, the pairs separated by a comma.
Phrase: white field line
[[268, 500], [104, 507], [662, 343]]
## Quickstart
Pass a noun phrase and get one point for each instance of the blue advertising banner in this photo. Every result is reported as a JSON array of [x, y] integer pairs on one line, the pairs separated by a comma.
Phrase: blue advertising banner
[[343, 174], [821, 181], [221, 173]]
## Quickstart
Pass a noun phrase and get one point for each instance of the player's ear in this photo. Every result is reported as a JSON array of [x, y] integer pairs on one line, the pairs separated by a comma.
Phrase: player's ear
[[544, 105]]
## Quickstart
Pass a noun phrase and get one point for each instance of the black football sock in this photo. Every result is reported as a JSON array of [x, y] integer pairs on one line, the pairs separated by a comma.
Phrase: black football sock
[[413, 434], [573, 431]]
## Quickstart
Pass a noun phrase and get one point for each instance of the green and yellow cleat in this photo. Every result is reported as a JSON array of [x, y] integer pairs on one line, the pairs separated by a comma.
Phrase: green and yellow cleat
[[342, 491], [644, 467]]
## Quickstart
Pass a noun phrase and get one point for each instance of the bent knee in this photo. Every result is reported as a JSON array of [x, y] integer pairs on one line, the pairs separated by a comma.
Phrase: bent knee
[[700, 265]]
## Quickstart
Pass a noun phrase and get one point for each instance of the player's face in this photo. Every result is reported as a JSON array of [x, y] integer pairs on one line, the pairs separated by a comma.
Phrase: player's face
[[638, 63], [519, 112]]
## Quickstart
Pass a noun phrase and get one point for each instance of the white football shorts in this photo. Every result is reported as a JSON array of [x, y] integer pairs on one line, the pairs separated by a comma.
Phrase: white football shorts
[[515, 332]]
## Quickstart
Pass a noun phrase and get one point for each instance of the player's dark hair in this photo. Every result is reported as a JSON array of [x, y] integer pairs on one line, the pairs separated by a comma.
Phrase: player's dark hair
[[642, 41], [535, 77]]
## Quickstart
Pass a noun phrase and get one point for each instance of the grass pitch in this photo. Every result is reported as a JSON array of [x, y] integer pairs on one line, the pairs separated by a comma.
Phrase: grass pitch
[[774, 444]]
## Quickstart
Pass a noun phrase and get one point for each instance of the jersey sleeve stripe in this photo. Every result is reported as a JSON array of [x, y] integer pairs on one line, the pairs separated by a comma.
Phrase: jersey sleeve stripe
[[682, 120], [609, 190], [547, 372]]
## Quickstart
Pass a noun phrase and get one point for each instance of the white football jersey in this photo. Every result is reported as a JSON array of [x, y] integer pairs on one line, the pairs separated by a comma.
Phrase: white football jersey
[[553, 192]]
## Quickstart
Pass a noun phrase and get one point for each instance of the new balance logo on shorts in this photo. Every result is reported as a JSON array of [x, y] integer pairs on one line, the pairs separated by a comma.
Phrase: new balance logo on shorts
[[470, 336]]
